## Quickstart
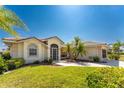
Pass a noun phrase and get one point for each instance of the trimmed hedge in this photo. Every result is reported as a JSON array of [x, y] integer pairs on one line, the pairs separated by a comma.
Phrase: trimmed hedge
[[36, 62], [47, 61], [15, 63], [44, 62], [106, 78]]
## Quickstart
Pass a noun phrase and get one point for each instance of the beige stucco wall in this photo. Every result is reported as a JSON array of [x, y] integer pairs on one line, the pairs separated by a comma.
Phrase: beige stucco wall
[[45, 52], [90, 51], [21, 50], [41, 52], [16, 50], [94, 51]]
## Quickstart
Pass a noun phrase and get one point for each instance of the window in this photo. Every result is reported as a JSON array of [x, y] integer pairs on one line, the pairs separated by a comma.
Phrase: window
[[32, 50], [103, 53]]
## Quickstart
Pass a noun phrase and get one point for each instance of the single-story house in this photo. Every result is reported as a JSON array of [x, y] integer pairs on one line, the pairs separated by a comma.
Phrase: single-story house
[[95, 49], [32, 48]]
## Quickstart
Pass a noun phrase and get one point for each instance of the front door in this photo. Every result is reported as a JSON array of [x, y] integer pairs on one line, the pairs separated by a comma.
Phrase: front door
[[54, 52]]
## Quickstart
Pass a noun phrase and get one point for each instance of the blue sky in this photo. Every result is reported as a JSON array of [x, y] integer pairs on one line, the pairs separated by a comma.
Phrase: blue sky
[[95, 23]]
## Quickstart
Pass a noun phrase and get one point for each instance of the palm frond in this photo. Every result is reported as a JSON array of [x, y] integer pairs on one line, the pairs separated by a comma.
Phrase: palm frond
[[7, 28], [8, 20]]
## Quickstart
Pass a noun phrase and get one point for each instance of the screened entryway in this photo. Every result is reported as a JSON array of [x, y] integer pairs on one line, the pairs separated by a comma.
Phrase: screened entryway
[[104, 53], [54, 52]]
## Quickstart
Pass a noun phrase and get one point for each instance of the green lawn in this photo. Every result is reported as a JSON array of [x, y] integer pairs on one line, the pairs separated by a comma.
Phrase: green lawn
[[56, 76], [46, 76]]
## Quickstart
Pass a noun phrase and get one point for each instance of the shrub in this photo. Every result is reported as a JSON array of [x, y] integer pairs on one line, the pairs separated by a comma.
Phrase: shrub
[[3, 66], [18, 62], [104, 77], [45, 61], [122, 53], [15, 63], [96, 59], [36, 62], [116, 57], [6, 55], [11, 66], [113, 56], [1, 70], [110, 56], [50, 61]]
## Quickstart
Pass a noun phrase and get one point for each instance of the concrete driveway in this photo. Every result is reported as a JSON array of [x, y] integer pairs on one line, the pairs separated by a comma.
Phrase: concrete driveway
[[107, 64]]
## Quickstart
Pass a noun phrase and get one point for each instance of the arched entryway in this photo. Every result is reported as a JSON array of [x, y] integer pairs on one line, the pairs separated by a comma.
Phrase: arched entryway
[[54, 52]]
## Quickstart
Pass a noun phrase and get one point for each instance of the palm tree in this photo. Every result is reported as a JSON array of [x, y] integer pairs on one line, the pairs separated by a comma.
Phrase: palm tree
[[75, 49], [76, 40], [116, 48], [68, 49], [78, 48], [8, 20]]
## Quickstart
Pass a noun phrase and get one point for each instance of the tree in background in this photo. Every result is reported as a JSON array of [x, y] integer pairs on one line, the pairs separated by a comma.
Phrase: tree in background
[[115, 53], [116, 47]]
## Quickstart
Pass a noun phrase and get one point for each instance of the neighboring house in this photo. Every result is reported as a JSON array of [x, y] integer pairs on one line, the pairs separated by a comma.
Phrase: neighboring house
[[32, 48], [95, 49], [121, 48]]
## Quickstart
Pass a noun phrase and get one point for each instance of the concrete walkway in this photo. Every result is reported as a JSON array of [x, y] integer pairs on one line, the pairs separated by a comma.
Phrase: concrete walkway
[[107, 64]]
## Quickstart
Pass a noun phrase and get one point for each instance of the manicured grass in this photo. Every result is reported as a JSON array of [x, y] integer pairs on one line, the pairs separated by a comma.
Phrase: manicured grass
[[62, 77], [46, 77], [121, 58]]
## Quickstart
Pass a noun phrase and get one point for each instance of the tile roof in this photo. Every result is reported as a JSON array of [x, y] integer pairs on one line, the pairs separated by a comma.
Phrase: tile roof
[[20, 39]]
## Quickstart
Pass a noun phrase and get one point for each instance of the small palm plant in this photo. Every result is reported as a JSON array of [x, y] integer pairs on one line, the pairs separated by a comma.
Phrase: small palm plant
[[69, 50], [78, 48], [75, 49], [8, 20]]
